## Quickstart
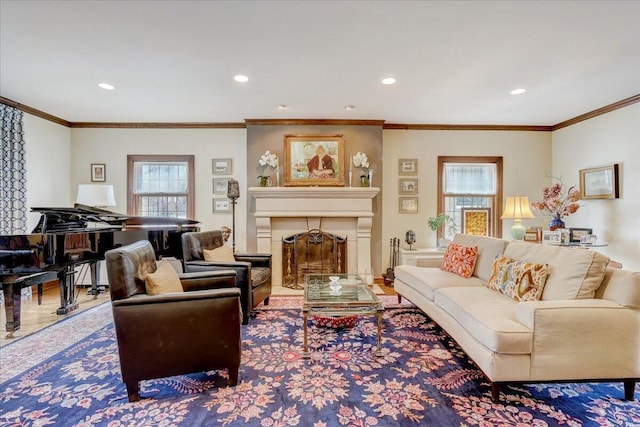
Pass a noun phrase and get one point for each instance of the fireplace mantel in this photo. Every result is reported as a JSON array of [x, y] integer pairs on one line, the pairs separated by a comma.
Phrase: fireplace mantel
[[344, 211]]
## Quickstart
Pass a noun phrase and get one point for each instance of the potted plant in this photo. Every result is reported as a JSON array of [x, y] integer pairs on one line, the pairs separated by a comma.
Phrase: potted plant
[[435, 222]]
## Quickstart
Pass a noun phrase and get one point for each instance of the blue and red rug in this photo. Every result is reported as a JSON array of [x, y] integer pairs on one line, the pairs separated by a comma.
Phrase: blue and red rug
[[68, 374]]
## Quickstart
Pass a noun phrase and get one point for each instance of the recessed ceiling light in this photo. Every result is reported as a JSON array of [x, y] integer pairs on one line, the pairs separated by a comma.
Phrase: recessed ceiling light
[[282, 107], [241, 78], [106, 86], [349, 107], [388, 81], [518, 91]]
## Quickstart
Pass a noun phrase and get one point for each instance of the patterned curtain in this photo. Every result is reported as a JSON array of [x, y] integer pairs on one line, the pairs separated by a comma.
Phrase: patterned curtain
[[13, 174]]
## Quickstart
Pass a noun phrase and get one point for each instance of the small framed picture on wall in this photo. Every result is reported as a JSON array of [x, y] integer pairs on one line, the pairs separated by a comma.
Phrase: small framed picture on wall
[[408, 205], [98, 172], [221, 206], [221, 166], [408, 186], [407, 166]]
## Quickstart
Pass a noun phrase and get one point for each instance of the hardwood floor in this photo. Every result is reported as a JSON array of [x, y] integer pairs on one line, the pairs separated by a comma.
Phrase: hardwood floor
[[35, 317]]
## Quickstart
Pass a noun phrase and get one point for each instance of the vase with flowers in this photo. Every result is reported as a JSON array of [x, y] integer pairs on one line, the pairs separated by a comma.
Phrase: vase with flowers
[[268, 162], [558, 203], [360, 160]]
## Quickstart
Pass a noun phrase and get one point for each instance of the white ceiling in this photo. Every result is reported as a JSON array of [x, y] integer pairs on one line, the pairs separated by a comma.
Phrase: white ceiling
[[455, 62]]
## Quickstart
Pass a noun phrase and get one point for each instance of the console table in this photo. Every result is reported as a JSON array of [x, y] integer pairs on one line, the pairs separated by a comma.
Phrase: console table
[[422, 257]]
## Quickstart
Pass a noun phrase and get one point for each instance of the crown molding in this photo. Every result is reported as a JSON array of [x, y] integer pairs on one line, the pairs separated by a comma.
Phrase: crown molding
[[400, 126], [600, 111], [160, 125], [313, 122], [34, 112]]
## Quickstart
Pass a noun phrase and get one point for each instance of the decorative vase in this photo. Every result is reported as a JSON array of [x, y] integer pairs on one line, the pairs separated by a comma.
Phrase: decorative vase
[[556, 223], [263, 181], [364, 181]]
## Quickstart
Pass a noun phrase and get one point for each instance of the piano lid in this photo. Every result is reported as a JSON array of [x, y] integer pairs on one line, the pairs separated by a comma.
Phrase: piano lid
[[76, 219]]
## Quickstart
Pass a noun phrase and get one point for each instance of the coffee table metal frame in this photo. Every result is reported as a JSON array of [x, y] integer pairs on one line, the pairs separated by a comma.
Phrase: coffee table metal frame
[[355, 298]]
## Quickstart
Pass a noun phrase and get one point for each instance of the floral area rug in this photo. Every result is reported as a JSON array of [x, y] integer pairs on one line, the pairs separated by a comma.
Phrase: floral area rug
[[423, 378]]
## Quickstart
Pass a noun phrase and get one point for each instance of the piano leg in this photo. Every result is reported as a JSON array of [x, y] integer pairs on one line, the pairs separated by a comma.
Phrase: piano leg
[[66, 279], [12, 294]]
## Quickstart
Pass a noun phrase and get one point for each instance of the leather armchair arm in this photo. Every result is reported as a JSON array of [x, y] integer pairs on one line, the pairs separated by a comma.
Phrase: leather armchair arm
[[256, 259], [212, 279], [179, 297]]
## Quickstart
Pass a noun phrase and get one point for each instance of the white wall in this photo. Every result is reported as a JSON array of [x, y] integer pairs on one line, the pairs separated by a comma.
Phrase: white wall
[[111, 146], [526, 160], [604, 140], [48, 157]]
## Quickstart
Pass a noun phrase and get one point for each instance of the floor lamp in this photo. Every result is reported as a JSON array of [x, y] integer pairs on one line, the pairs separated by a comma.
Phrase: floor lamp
[[233, 192]]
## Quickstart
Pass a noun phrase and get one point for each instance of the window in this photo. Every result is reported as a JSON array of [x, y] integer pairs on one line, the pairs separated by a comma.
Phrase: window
[[159, 185], [468, 185]]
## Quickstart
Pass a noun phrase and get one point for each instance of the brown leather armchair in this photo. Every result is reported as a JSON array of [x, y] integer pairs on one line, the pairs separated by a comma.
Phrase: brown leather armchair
[[174, 333], [253, 270]]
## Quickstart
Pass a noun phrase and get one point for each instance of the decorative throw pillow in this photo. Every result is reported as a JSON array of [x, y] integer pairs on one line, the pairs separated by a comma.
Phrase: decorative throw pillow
[[460, 260], [165, 280], [220, 254], [520, 280]]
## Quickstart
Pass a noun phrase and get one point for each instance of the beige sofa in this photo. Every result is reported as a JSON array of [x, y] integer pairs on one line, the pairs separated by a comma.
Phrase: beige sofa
[[585, 327]]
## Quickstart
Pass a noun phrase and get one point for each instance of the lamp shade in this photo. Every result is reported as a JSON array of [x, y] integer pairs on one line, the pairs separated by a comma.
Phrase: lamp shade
[[516, 208], [95, 195]]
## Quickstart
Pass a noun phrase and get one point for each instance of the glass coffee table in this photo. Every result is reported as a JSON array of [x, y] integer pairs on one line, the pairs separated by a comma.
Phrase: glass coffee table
[[339, 295]]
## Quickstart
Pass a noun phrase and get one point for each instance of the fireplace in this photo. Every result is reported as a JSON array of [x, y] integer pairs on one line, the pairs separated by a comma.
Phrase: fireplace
[[311, 252], [343, 211]]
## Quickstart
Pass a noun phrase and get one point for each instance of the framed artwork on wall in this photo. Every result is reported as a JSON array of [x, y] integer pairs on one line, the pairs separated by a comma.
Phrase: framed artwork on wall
[[311, 160], [600, 183], [407, 166], [408, 186], [476, 221], [408, 205], [220, 185], [98, 172], [221, 166], [221, 206]]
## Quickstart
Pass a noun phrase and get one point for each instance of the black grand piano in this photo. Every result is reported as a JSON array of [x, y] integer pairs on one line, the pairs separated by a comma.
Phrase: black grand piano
[[66, 238]]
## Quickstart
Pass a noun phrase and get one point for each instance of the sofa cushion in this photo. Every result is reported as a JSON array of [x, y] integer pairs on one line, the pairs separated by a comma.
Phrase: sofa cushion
[[488, 249], [260, 275], [492, 322], [164, 280], [622, 287], [427, 279], [460, 260], [520, 280], [573, 273], [220, 254]]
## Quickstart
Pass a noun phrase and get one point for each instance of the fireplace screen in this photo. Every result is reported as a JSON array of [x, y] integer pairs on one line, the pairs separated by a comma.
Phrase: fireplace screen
[[311, 252]]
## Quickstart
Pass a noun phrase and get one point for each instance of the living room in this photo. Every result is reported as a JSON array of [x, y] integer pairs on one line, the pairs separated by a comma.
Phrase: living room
[[317, 68]]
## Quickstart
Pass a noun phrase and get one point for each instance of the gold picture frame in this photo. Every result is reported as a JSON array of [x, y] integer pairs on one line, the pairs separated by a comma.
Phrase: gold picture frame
[[408, 205], [311, 160], [600, 183]]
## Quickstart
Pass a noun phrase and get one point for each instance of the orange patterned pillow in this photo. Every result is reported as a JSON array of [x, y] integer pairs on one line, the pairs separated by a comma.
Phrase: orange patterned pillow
[[520, 280], [460, 260]]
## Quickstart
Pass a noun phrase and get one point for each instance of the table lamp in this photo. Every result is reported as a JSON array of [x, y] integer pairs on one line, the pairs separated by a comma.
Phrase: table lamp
[[517, 208], [95, 195]]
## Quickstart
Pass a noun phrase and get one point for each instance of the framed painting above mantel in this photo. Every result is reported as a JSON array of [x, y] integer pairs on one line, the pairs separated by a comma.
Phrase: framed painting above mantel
[[314, 160]]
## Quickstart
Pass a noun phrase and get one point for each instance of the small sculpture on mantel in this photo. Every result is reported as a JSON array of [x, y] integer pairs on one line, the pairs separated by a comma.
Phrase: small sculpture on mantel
[[410, 238]]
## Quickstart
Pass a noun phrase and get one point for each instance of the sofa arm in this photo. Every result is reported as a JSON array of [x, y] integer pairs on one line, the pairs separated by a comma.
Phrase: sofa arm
[[177, 297], [587, 338], [256, 259], [213, 279]]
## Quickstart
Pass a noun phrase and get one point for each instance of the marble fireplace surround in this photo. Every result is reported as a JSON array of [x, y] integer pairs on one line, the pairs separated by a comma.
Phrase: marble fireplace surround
[[344, 211]]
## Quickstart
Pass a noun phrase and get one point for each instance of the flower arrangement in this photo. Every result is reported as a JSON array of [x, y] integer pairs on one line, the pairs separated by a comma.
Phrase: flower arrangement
[[360, 160], [268, 161], [556, 202]]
